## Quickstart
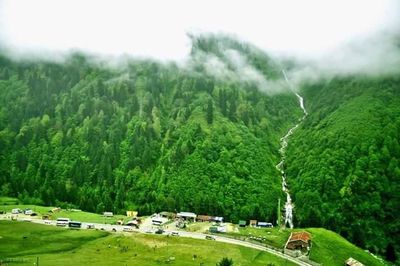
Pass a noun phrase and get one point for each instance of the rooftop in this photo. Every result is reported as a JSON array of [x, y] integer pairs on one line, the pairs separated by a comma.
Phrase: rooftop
[[304, 236], [186, 214]]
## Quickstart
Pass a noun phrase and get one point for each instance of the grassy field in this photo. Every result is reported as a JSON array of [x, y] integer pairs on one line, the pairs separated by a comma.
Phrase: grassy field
[[8, 201], [75, 215], [24, 238], [59, 246], [273, 236], [328, 247]]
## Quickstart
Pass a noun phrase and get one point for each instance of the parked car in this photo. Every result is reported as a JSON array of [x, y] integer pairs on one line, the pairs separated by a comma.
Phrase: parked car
[[28, 212], [174, 233], [16, 211], [127, 229], [90, 226], [210, 237], [159, 231]]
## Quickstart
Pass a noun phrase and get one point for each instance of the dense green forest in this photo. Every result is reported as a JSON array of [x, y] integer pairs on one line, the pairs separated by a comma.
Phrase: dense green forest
[[153, 136], [343, 164], [146, 136]]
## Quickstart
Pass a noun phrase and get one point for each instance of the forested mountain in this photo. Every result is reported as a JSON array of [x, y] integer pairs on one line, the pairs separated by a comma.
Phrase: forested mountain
[[344, 162], [203, 137], [146, 136]]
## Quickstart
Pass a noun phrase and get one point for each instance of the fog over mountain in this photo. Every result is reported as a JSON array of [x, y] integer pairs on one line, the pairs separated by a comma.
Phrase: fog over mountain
[[323, 37]]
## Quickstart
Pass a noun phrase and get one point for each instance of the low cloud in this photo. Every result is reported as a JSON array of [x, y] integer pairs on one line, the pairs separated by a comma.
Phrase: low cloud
[[319, 39], [233, 66]]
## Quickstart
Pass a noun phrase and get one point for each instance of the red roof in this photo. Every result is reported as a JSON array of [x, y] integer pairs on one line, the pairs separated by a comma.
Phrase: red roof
[[304, 236]]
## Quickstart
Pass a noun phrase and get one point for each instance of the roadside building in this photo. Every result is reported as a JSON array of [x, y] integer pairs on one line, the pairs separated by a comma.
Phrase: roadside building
[[299, 241], [187, 216], [131, 213], [108, 214], [168, 215], [217, 219], [204, 218], [158, 220], [54, 210]]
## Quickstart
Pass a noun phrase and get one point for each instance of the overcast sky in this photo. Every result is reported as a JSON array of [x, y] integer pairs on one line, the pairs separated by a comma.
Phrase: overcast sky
[[158, 28]]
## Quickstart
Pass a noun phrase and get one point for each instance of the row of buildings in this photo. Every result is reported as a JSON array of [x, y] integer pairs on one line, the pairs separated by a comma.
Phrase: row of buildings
[[190, 217]]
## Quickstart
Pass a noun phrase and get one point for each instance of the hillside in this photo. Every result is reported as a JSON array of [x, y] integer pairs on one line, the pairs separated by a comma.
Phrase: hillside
[[29, 242], [343, 163], [145, 135], [203, 136]]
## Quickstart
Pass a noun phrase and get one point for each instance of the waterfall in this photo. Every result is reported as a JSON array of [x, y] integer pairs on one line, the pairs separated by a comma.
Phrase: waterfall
[[281, 165]]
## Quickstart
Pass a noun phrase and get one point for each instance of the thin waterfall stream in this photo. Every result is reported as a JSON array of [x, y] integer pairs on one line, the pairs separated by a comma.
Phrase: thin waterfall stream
[[281, 165]]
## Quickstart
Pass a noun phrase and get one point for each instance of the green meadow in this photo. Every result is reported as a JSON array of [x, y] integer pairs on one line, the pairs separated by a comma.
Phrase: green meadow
[[25, 243], [328, 248]]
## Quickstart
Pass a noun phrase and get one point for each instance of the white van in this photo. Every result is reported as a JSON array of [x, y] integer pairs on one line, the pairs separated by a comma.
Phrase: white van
[[16, 211]]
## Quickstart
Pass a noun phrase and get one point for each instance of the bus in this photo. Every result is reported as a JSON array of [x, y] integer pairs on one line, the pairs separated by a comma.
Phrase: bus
[[62, 221], [74, 224]]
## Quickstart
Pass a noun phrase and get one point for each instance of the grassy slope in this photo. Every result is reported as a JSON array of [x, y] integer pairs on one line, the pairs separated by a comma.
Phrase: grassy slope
[[22, 238], [54, 246], [328, 247], [8, 201], [73, 215]]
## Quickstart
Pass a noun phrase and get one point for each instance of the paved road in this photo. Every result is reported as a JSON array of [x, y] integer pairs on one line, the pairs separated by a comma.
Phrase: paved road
[[151, 229]]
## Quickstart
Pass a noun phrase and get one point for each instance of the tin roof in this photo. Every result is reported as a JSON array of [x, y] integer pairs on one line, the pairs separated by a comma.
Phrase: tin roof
[[304, 236]]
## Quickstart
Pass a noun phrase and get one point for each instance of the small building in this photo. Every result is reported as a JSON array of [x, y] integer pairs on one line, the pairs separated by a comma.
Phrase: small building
[[353, 262], [264, 224], [204, 218], [158, 220], [253, 223], [217, 219], [108, 214], [299, 241], [168, 215], [188, 216], [242, 223], [54, 210], [131, 213]]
